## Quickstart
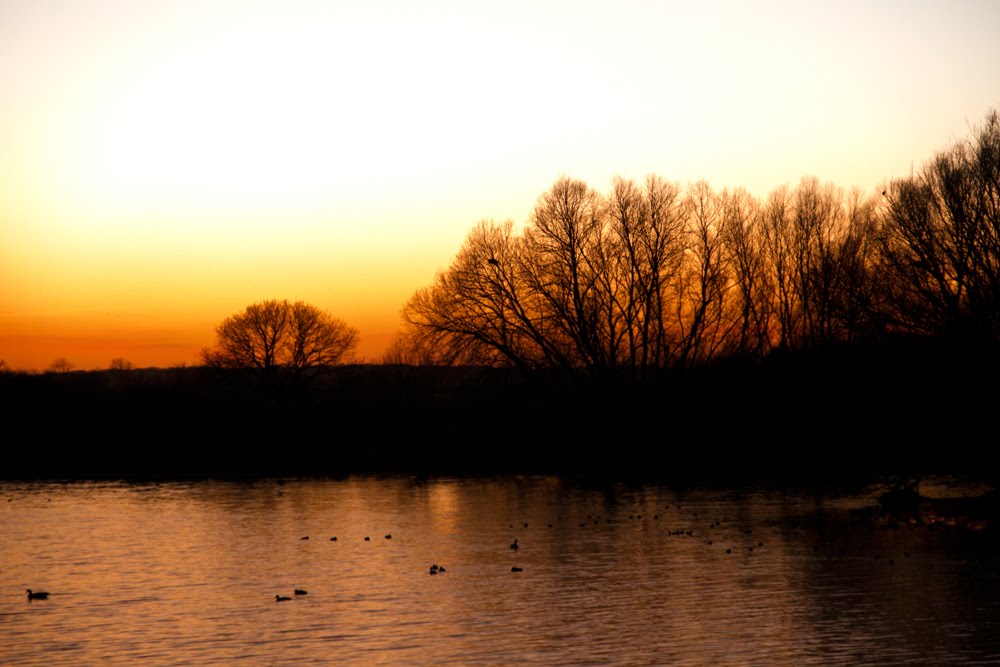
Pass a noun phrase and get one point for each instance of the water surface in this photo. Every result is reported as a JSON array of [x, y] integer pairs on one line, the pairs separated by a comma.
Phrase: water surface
[[187, 573]]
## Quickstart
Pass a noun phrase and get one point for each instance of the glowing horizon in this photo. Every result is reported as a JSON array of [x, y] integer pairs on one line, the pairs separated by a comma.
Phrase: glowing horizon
[[165, 164]]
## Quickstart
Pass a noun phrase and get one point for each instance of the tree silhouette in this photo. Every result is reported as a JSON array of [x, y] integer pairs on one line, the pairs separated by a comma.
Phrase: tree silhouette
[[120, 364], [60, 365], [941, 240], [274, 335], [650, 277]]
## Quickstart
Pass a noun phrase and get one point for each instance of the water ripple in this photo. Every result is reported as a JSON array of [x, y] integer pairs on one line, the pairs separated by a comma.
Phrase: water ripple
[[174, 574]]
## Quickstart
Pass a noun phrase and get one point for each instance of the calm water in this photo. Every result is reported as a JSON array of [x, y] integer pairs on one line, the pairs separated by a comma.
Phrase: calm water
[[186, 574]]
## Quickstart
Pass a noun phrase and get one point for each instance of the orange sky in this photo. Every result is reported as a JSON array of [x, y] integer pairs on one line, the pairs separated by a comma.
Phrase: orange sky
[[165, 163]]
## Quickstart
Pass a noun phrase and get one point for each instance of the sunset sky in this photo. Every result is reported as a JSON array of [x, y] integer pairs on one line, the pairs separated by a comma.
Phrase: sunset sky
[[164, 163]]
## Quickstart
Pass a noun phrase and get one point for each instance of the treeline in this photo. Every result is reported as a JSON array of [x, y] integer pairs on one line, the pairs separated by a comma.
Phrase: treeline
[[652, 275]]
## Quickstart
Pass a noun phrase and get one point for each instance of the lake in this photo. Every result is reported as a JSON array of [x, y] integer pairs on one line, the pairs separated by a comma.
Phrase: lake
[[610, 574]]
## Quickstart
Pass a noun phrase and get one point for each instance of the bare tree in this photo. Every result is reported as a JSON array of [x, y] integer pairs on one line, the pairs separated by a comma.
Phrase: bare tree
[[817, 223], [409, 348], [316, 339], [648, 224], [743, 235], [481, 309], [120, 364], [779, 243], [60, 365], [703, 283], [273, 335], [858, 294], [561, 264]]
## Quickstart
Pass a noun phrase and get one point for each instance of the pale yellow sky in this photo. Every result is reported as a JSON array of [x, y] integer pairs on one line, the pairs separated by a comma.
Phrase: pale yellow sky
[[165, 163]]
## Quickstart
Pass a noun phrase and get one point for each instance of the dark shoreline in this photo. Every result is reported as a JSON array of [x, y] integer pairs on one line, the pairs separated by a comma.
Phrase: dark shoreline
[[827, 415]]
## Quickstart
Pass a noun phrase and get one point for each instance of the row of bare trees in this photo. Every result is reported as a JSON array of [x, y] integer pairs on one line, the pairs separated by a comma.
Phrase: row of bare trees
[[653, 275]]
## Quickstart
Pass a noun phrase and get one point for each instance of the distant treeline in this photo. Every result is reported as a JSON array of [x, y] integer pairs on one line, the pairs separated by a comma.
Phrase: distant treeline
[[653, 275]]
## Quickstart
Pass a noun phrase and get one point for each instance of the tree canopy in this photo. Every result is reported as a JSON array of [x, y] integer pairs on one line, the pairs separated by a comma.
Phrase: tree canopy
[[273, 335]]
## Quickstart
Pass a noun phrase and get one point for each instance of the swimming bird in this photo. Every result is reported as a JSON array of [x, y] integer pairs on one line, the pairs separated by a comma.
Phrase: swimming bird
[[516, 569], [514, 545], [299, 591], [37, 595], [281, 598]]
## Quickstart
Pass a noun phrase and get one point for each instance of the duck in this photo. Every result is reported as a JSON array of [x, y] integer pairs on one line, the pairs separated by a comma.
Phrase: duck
[[299, 591], [281, 598], [37, 595], [517, 569], [514, 545]]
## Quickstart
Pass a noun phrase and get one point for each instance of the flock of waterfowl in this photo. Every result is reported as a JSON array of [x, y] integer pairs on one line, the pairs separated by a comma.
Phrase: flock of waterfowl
[[514, 546], [681, 532]]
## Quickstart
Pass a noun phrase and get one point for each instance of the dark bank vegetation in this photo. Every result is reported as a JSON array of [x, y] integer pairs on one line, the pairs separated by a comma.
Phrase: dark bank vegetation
[[654, 331], [911, 405]]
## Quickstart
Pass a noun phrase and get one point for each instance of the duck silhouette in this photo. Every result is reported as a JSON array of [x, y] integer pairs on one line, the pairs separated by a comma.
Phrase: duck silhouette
[[37, 595], [281, 598], [514, 545], [299, 591]]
